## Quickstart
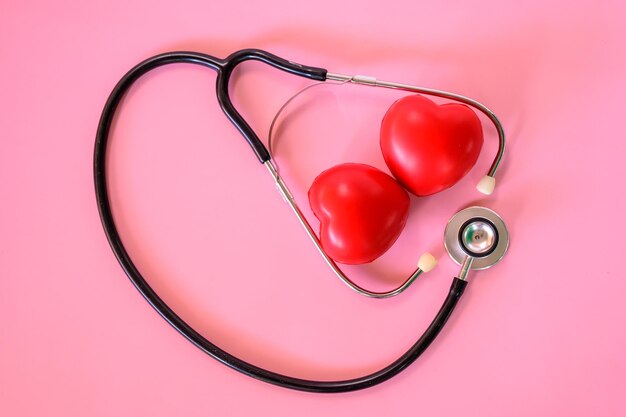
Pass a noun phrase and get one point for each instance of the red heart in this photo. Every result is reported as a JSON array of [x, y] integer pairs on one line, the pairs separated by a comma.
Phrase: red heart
[[361, 211], [428, 147]]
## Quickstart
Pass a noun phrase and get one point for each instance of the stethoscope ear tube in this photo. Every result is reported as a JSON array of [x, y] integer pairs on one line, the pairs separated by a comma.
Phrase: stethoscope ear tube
[[110, 229]]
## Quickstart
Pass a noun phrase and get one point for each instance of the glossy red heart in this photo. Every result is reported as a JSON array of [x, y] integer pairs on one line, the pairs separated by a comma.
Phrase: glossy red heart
[[429, 147], [361, 211]]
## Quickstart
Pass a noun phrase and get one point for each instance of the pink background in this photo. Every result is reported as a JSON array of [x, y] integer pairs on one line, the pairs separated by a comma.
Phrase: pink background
[[542, 333]]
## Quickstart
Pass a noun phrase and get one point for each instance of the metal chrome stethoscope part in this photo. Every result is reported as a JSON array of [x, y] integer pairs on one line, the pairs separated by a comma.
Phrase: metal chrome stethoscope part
[[476, 238], [426, 261]]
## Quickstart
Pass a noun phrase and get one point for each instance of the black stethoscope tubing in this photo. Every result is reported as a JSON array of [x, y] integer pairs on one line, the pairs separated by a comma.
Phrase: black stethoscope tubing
[[224, 68]]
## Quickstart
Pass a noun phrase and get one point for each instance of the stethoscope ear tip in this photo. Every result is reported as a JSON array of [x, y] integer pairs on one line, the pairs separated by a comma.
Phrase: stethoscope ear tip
[[486, 185], [426, 262]]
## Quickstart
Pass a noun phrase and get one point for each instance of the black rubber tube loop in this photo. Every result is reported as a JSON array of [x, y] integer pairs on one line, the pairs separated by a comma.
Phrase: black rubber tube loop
[[224, 68]]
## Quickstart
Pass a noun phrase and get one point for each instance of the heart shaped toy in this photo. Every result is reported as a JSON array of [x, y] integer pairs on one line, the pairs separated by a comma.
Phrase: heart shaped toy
[[361, 211], [429, 147]]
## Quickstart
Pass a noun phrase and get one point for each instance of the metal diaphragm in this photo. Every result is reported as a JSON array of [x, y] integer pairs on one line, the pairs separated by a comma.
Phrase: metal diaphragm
[[477, 232]]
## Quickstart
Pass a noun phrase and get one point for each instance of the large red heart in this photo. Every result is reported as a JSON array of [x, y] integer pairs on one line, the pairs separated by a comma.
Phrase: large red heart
[[361, 211], [429, 147]]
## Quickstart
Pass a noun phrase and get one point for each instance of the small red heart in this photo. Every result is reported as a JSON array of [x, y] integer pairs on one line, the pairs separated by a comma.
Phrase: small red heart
[[361, 211], [428, 147]]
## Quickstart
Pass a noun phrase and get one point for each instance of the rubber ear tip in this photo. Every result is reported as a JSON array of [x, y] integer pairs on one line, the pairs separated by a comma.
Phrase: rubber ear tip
[[486, 185], [426, 262]]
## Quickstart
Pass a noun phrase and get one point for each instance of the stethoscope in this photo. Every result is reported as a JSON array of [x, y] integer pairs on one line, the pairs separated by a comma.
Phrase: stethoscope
[[475, 238]]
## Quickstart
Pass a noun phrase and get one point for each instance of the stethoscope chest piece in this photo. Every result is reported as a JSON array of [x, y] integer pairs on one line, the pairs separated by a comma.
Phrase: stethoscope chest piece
[[477, 232]]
